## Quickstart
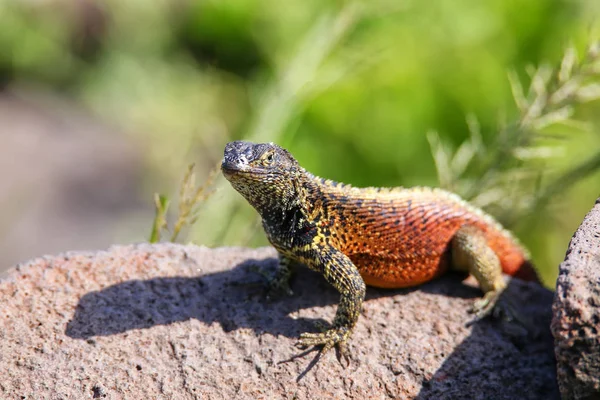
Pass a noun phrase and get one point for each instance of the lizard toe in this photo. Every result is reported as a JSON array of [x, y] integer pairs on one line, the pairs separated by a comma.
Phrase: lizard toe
[[276, 290], [276, 287], [485, 306], [501, 307], [328, 339]]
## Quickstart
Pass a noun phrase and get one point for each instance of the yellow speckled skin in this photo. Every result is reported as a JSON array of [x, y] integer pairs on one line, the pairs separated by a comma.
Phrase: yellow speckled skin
[[381, 237]]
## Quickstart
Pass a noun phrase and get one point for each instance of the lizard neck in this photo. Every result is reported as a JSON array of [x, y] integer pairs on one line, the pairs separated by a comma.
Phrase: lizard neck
[[290, 219], [297, 201]]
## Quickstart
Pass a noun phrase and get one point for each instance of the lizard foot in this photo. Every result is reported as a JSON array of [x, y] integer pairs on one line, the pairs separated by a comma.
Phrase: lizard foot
[[337, 336], [276, 287], [493, 304], [486, 305]]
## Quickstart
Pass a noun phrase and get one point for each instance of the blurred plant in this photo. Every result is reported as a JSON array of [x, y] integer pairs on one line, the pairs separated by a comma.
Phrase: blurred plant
[[510, 174], [280, 101], [348, 86], [161, 205], [191, 199]]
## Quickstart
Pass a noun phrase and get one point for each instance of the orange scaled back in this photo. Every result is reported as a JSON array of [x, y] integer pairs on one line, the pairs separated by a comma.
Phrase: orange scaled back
[[401, 237]]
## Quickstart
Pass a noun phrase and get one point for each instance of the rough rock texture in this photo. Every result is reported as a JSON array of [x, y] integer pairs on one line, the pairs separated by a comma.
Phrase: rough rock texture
[[185, 322], [576, 309]]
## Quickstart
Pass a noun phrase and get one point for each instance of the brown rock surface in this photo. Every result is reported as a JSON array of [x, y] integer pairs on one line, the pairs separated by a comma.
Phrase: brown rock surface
[[185, 322], [576, 308]]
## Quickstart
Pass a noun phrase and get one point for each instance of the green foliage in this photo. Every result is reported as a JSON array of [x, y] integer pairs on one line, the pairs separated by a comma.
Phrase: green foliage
[[161, 205], [350, 87], [190, 200], [518, 159]]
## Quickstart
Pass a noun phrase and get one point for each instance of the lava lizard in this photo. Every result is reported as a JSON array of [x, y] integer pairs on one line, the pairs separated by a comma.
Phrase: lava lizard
[[387, 238]]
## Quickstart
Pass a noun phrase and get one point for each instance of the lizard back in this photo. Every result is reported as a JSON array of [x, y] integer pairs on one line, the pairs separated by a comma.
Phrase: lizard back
[[401, 237]]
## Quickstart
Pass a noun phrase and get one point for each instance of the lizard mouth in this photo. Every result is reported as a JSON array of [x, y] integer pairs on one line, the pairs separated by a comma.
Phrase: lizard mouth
[[228, 170], [231, 169]]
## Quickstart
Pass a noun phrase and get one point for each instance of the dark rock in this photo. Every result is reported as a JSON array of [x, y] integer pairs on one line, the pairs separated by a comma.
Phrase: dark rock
[[186, 322], [576, 309]]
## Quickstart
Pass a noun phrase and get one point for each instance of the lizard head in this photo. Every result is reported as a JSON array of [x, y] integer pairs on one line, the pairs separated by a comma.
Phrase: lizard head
[[264, 173]]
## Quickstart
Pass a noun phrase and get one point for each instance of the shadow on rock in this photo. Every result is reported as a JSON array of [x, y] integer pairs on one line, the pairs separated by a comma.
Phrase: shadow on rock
[[483, 363], [519, 365], [233, 298]]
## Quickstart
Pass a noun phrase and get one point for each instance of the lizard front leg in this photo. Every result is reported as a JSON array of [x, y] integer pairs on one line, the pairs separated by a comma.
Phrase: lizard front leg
[[280, 283], [340, 272], [277, 284]]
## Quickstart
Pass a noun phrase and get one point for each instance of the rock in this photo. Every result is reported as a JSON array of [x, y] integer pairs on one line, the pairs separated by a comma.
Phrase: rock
[[171, 321], [576, 309]]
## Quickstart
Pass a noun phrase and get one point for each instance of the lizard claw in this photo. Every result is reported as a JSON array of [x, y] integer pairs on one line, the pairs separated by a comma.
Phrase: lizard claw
[[328, 339], [275, 288], [493, 304], [486, 305]]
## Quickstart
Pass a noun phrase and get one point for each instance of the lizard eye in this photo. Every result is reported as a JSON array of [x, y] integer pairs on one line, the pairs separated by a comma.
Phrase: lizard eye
[[269, 158]]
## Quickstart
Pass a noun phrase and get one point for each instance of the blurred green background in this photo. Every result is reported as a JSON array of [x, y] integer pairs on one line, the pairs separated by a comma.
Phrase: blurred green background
[[351, 88]]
